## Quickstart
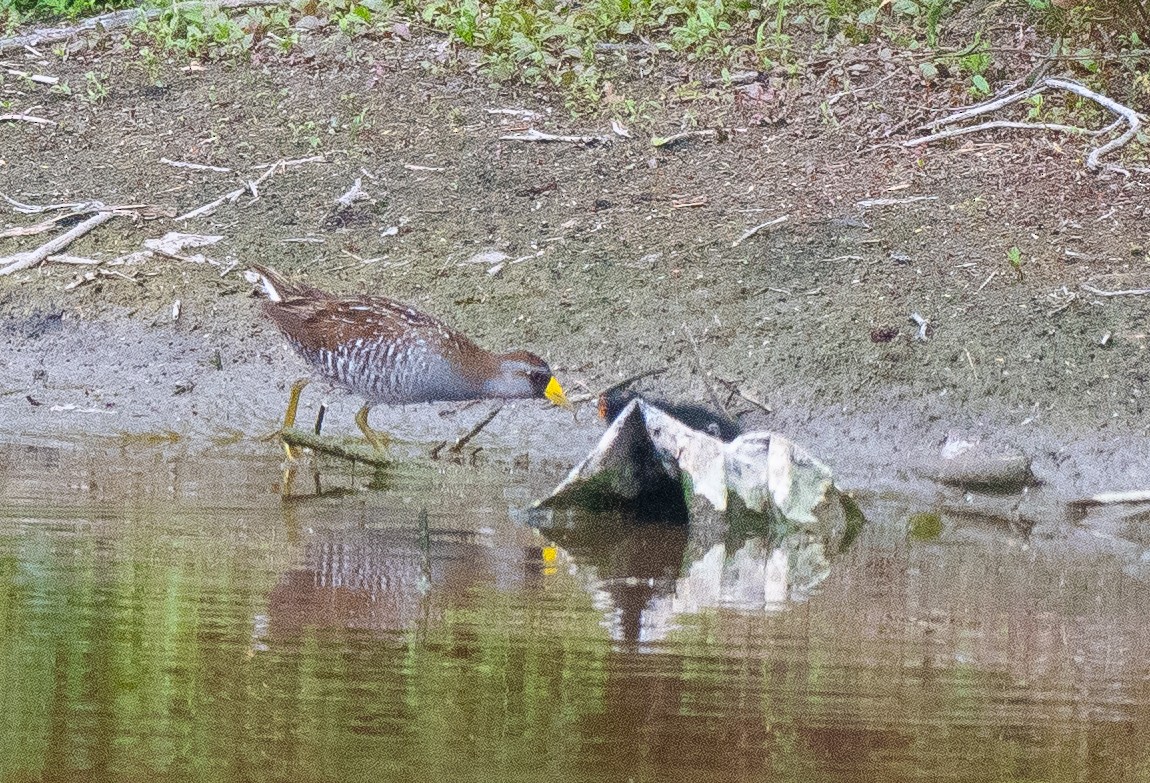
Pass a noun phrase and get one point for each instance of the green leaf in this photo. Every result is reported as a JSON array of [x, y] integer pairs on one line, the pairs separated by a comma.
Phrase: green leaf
[[929, 71], [868, 16], [980, 83]]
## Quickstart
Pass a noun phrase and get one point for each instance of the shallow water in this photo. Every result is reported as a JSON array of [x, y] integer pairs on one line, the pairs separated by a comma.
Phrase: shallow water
[[173, 618]]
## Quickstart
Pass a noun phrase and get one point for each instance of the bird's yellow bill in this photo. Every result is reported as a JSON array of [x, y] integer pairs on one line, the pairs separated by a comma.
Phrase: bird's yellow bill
[[554, 392]]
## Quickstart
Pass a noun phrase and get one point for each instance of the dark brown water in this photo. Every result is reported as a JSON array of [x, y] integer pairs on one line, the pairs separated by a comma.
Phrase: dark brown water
[[168, 618]]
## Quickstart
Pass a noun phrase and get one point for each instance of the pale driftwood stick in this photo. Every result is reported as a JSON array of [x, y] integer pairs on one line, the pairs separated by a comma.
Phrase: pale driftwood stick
[[750, 232], [1129, 292], [284, 164], [463, 441], [15, 263], [353, 194], [417, 167], [26, 118], [527, 114], [85, 207], [179, 164], [34, 77], [985, 126], [1114, 498], [254, 185], [923, 325], [231, 196], [1125, 114], [61, 258], [55, 34], [536, 135], [35, 209], [356, 452], [985, 107], [36, 228], [110, 21], [867, 203]]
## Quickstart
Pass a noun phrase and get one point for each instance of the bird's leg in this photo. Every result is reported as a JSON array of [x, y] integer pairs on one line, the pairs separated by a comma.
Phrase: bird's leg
[[377, 439], [289, 414]]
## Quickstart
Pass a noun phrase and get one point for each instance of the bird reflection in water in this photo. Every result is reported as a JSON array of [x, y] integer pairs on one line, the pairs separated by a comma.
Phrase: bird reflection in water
[[387, 581]]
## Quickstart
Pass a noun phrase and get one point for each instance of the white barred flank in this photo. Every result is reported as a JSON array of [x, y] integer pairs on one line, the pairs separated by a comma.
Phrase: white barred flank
[[390, 371]]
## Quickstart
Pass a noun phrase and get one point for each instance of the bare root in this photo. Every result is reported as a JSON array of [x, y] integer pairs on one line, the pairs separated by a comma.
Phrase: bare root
[[1131, 118]]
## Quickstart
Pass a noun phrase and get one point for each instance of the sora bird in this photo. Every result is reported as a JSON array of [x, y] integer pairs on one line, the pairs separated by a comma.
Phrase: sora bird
[[392, 354]]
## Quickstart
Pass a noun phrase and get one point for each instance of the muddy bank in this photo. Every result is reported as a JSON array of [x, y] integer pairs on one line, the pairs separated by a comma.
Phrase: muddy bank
[[614, 258]]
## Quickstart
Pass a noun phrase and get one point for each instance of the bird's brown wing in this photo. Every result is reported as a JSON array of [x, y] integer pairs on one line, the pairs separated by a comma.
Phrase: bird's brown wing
[[327, 322]]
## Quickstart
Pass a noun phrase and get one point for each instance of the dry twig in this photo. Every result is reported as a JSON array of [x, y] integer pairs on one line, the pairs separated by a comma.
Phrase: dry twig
[[867, 203], [750, 232], [33, 77], [923, 325], [356, 452], [535, 135], [111, 21], [26, 118], [19, 261], [1114, 498], [36, 209], [179, 164], [232, 196], [1128, 292], [465, 439]]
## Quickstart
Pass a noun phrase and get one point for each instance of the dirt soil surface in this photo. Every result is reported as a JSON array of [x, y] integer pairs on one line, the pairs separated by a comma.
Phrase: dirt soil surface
[[606, 258]]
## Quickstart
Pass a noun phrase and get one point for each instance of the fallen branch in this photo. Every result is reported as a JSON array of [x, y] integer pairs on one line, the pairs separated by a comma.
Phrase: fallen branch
[[19, 261], [33, 77], [112, 21], [1129, 292], [923, 325], [526, 114], [733, 388], [36, 228], [35, 209], [629, 380], [231, 196], [535, 135], [353, 194], [750, 232], [26, 118], [1114, 498], [867, 203], [252, 186], [63, 258], [179, 164], [356, 452], [465, 439], [1125, 115]]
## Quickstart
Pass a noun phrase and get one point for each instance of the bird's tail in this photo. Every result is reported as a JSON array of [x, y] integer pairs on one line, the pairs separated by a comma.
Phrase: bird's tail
[[276, 287]]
